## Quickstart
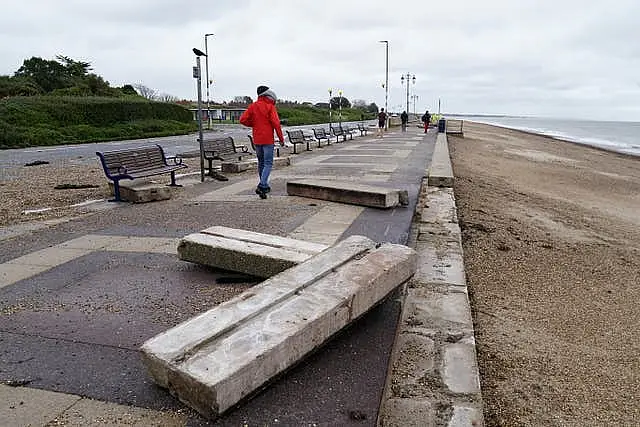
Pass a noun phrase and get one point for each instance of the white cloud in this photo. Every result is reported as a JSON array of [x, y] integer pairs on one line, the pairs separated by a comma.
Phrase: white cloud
[[568, 58]]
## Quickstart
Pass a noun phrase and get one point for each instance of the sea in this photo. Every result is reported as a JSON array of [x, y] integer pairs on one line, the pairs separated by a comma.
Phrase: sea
[[621, 137]]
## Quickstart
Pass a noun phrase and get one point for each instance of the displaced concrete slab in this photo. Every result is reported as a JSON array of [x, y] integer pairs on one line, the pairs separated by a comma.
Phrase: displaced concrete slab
[[214, 360], [256, 254], [348, 192], [441, 172], [252, 164], [143, 191]]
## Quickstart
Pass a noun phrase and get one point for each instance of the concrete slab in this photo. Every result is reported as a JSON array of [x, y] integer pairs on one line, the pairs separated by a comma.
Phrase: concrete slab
[[252, 164], [256, 254], [348, 192], [143, 191], [441, 172], [22, 406], [214, 360]]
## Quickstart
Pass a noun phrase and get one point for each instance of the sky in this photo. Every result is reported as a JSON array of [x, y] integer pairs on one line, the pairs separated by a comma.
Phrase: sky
[[575, 59]]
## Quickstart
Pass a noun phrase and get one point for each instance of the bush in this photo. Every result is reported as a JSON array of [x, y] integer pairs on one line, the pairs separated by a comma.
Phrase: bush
[[50, 120]]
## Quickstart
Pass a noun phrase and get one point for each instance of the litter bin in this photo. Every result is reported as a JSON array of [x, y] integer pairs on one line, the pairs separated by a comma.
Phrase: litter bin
[[442, 125]]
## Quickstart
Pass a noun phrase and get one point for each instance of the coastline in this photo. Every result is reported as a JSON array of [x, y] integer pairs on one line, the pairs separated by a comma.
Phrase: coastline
[[557, 138], [552, 256]]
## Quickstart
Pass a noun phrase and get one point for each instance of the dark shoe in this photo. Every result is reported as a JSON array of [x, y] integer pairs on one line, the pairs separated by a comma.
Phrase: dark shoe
[[267, 189], [259, 190], [263, 195]]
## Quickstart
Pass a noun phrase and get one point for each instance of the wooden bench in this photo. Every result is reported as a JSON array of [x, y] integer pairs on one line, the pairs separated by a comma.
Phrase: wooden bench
[[320, 134], [298, 137], [222, 149], [454, 127], [276, 146], [363, 129], [133, 163]]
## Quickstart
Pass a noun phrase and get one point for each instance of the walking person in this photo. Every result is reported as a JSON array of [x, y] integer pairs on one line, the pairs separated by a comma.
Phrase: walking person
[[426, 119], [382, 120], [262, 117], [404, 117]]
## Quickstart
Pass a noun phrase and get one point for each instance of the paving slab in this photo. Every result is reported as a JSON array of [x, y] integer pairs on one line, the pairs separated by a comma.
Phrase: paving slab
[[137, 191], [256, 254], [217, 359], [252, 164], [348, 192]]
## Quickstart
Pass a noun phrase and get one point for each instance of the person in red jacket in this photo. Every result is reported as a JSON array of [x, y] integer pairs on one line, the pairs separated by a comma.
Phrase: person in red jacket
[[262, 118]]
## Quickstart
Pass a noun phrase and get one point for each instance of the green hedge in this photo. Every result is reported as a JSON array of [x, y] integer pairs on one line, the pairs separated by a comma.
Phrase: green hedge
[[53, 120]]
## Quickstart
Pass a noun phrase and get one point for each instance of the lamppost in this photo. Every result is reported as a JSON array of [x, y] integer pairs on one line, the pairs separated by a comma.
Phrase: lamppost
[[197, 74], [408, 78], [415, 98], [330, 92], [206, 61], [340, 106], [386, 80]]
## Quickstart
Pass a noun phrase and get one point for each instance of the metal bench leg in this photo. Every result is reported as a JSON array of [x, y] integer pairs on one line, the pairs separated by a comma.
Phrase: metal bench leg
[[116, 191], [173, 180]]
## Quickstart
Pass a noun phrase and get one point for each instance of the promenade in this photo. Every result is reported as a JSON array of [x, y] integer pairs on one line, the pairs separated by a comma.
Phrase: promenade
[[78, 298]]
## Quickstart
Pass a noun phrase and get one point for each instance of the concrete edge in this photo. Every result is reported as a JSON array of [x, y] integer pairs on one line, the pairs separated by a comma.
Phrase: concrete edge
[[433, 376], [441, 172]]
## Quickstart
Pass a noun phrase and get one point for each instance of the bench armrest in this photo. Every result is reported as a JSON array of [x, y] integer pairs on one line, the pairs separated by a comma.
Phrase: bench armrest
[[177, 160]]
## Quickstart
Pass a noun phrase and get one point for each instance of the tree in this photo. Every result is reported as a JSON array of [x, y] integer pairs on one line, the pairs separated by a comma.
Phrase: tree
[[145, 91], [359, 103], [372, 108], [336, 101], [49, 75]]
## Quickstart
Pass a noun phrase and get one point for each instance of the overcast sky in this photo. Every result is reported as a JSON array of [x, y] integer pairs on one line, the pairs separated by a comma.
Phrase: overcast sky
[[563, 58]]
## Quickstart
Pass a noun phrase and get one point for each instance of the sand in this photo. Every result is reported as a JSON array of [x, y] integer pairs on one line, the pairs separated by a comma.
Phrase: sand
[[551, 238]]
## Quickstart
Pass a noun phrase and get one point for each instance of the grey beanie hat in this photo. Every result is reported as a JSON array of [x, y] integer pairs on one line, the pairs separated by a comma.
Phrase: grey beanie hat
[[270, 94], [262, 89]]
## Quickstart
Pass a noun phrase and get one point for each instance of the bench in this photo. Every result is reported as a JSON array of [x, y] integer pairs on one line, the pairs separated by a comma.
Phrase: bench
[[348, 130], [336, 130], [133, 163], [320, 134], [298, 137], [276, 146], [454, 127], [363, 129], [222, 149]]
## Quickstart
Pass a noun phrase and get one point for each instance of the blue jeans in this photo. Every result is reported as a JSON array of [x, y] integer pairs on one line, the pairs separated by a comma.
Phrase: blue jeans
[[264, 153]]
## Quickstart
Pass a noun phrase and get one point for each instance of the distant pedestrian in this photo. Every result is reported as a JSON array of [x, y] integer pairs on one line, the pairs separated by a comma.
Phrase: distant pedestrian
[[262, 117], [405, 120], [382, 121], [426, 119]]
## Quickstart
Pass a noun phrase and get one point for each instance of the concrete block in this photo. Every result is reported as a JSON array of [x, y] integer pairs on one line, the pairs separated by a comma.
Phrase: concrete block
[[441, 172], [252, 164], [348, 192], [218, 358], [408, 413], [440, 261], [460, 369], [446, 310], [142, 191], [440, 206], [466, 416], [256, 254]]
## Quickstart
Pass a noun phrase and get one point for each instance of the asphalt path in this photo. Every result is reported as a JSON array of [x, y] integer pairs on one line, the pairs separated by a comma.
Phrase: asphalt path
[[77, 328]]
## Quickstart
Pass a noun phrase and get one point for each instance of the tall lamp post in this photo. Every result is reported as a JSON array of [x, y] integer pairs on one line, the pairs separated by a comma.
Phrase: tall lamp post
[[408, 78], [197, 74], [330, 92], [340, 106], [415, 98], [386, 80], [206, 62]]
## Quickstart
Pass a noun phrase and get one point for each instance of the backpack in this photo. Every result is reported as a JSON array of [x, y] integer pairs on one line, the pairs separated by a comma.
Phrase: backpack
[[424, 118]]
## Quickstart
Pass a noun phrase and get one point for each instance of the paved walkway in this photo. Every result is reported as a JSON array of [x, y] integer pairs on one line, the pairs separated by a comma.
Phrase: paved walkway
[[78, 298]]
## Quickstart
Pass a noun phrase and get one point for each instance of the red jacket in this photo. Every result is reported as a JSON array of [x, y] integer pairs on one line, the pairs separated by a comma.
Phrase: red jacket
[[263, 118]]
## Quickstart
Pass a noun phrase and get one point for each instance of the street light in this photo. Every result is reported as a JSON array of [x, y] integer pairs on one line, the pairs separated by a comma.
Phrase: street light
[[330, 92], [408, 78], [206, 60], [197, 74], [415, 98], [386, 80], [340, 106]]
